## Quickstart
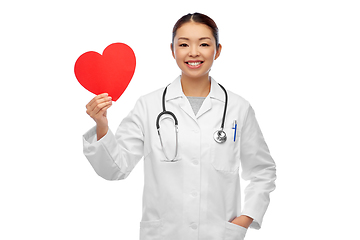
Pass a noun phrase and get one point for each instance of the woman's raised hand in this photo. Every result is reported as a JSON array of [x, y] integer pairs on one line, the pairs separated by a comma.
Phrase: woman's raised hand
[[97, 110]]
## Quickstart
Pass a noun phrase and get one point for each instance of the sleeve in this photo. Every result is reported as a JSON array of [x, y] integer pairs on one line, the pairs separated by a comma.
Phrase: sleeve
[[113, 157], [258, 167]]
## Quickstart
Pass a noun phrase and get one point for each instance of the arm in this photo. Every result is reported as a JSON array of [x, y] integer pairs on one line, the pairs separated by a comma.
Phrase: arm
[[114, 156], [258, 167]]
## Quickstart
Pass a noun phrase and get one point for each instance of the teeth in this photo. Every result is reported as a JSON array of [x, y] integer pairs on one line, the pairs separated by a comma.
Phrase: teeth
[[194, 63]]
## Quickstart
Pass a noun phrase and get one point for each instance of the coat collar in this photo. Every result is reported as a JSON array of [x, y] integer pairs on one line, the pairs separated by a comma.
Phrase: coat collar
[[174, 90], [175, 93]]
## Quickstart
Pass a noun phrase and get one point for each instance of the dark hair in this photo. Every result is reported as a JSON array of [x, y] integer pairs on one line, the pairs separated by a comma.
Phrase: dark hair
[[198, 18]]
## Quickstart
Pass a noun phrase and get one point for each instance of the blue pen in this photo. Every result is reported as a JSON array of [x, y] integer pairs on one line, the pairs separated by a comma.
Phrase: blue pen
[[234, 127]]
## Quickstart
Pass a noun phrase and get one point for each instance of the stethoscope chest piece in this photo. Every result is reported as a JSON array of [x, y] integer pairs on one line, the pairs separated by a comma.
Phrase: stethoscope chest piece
[[220, 136]]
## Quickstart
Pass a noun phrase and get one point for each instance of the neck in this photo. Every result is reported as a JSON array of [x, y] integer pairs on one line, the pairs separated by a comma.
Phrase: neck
[[196, 87]]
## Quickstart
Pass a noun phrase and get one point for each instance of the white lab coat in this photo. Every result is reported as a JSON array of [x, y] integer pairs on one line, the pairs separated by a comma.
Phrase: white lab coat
[[198, 196]]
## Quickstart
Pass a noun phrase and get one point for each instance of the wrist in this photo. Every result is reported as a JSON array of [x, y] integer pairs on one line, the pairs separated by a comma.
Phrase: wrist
[[101, 126], [101, 131]]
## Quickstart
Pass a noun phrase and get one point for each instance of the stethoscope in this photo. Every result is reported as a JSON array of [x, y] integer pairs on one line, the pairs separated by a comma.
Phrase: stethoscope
[[219, 135]]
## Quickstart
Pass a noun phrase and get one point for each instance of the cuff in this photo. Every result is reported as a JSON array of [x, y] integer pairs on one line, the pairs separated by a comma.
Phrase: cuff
[[90, 136]]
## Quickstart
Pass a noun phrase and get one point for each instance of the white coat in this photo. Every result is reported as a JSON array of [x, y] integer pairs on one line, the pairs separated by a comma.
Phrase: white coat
[[198, 196]]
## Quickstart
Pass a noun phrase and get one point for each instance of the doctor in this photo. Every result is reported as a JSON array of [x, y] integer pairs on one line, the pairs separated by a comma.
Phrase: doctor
[[191, 178]]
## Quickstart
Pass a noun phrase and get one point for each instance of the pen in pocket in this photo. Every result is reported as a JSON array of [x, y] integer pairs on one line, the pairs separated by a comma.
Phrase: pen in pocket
[[234, 127]]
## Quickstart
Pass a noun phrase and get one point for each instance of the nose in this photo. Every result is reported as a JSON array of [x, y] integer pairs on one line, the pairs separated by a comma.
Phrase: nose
[[193, 51]]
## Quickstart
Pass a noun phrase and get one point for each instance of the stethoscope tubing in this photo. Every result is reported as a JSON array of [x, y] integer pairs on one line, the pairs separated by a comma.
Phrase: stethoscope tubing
[[225, 107], [173, 115], [219, 135], [165, 112]]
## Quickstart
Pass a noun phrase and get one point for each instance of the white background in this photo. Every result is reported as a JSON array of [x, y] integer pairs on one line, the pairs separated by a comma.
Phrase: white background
[[297, 62]]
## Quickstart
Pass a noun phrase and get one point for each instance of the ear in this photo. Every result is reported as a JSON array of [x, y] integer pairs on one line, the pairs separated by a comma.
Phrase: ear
[[218, 51], [172, 50]]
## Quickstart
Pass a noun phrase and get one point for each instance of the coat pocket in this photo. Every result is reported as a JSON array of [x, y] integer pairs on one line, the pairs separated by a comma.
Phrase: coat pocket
[[151, 230], [226, 156], [234, 231]]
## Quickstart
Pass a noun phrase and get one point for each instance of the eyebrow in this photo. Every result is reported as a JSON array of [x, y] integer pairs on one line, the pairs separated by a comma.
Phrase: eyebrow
[[184, 38]]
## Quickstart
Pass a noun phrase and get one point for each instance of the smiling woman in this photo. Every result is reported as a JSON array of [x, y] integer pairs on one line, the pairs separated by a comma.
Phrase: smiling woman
[[191, 172]]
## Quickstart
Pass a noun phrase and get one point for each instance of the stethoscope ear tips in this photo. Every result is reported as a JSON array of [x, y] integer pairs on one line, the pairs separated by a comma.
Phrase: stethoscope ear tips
[[220, 136]]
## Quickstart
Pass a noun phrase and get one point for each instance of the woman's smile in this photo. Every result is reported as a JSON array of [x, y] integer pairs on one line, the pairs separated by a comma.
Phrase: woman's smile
[[194, 63]]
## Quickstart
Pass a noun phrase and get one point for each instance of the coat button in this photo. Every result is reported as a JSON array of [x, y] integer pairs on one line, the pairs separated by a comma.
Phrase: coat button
[[194, 194], [194, 226]]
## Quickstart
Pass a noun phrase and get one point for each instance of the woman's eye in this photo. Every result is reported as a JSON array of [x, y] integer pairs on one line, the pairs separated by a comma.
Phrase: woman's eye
[[183, 45], [204, 45]]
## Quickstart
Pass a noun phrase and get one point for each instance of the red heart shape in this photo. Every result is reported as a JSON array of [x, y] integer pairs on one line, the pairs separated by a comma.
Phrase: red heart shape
[[109, 73]]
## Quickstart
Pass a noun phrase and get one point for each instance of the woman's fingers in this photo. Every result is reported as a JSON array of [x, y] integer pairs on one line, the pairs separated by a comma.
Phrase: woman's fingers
[[99, 107], [99, 101], [97, 104], [102, 111], [96, 98]]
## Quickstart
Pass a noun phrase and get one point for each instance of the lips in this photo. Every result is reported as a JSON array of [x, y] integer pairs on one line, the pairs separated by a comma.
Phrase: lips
[[194, 63]]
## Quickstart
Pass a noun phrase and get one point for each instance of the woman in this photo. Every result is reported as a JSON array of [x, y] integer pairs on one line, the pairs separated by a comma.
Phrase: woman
[[191, 181]]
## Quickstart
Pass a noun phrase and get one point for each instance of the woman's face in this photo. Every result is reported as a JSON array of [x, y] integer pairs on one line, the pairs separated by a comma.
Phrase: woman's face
[[195, 49]]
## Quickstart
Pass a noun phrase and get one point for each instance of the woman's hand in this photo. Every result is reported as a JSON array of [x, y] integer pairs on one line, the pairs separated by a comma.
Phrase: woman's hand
[[97, 110], [243, 221]]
